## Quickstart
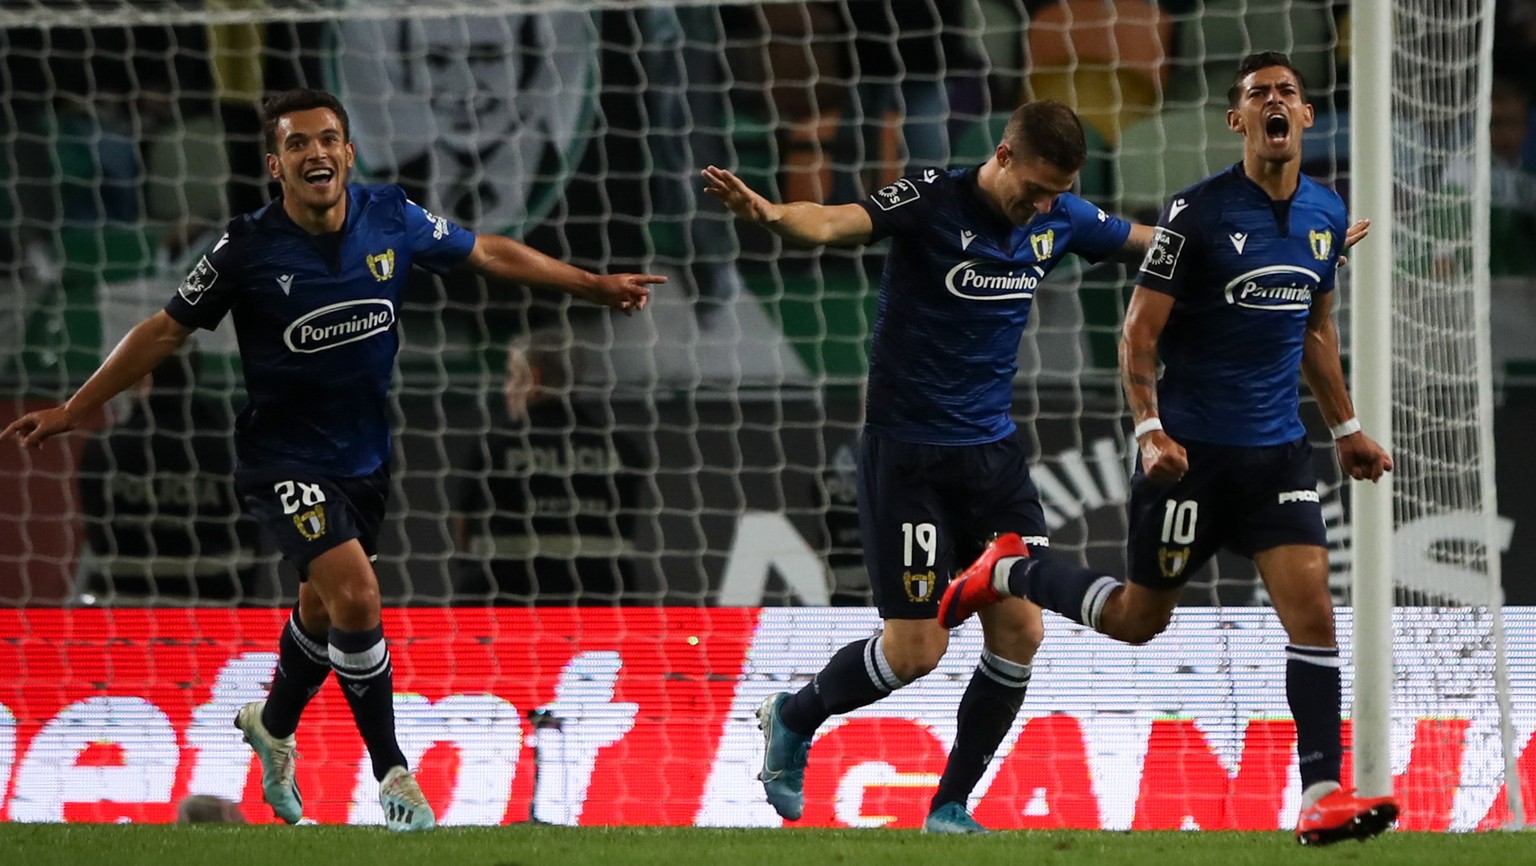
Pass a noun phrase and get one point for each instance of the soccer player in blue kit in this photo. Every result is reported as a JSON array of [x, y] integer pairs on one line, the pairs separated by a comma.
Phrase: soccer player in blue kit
[[1236, 297], [313, 282], [942, 466]]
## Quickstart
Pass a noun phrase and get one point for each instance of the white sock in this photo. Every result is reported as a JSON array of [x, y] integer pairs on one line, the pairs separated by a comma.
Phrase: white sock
[[1000, 573], [1317, 791]]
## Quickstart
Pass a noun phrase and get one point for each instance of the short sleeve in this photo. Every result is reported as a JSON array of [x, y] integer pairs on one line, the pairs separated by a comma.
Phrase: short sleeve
[[1340, 230], [210, 290], [1095, 234], [1166, 268], [436, 243], [905, 206]]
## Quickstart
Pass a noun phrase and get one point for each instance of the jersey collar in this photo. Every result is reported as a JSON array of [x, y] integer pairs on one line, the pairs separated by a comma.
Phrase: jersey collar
[[275, 216]]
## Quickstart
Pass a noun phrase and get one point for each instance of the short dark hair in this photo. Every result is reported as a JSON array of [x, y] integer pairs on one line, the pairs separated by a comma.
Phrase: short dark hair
[[1261, 60], [302, 99], [1050, 130]]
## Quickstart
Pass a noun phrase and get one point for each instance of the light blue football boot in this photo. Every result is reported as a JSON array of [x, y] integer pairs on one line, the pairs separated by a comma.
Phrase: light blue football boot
[[278, 786], [952, 819], [784, 756], [405, 809]]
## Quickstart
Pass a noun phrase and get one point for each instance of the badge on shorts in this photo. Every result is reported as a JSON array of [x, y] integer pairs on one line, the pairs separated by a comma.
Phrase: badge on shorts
[[919, 586], [311, 523], [1172, 560]]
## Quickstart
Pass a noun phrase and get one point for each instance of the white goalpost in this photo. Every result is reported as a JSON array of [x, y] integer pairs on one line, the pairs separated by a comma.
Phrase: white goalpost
[[1430, 533]]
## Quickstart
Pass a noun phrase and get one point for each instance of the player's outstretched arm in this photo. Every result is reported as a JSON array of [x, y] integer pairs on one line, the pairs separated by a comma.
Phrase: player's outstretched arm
[[1360, 456], [803, 222], [501, 258], [1162, 458], [150, 342]]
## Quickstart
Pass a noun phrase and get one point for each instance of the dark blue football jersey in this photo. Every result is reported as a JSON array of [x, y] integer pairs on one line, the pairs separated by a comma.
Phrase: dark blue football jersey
[[316, 319], [1243, 270], [955, 295]]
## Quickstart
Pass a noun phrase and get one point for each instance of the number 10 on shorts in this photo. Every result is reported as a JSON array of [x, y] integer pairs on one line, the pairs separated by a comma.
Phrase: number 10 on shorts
[[1179, 521]]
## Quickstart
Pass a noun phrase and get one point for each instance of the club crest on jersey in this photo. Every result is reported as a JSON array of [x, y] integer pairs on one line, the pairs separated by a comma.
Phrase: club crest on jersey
[[1278, 288], [382, 266], [1322, 244], [1043, 243], [311, 523], [339, 324], [919, 586], [897, 194], [1172, 561], [200, 280]]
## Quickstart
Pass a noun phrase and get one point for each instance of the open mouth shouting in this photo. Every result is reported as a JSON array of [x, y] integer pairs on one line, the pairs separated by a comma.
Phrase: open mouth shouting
[[1277, 128]]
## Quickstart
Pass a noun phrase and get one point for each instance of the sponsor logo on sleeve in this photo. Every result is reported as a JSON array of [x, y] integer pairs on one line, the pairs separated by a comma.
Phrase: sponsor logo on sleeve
[[199, 281], [1163, 253], [897, 194]]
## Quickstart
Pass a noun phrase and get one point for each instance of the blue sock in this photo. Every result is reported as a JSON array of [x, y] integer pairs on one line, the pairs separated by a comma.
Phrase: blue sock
[[857, 676], [1075, 592], [361, 660], [987, 710], [303, 663], [1313, 690]]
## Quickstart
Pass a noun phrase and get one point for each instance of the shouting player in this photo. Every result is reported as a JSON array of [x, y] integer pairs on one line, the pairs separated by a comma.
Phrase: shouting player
[[942, 466], [313, 282], [1236, 297]]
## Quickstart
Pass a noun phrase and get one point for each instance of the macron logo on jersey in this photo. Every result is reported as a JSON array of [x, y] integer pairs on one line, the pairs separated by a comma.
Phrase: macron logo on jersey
[[340, 324], [1176, 208], [965, 239], [1239, 240]]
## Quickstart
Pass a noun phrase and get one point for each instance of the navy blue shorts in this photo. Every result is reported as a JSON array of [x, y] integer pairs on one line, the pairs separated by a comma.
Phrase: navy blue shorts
[[1244, 499], [926, 511], [305, 514]]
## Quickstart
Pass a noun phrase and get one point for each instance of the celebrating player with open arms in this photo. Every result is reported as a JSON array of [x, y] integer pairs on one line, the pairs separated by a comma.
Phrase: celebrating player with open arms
[[313, 282], [942, 466], [1236, 296]]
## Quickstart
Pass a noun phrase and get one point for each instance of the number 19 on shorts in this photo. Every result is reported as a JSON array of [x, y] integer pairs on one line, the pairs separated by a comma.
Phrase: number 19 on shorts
[[927, 537]]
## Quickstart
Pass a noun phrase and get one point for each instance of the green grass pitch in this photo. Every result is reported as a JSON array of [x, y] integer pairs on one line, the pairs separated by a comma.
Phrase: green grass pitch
[[525, 845]]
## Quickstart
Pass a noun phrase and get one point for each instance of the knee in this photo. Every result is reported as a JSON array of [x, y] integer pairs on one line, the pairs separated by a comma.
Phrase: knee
[[1016, 637], [354, 607], [1140, 630], [914, 658]]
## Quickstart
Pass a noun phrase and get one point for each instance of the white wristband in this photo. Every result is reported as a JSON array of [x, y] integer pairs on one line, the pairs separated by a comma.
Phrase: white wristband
[[1345, 428], [1147, 426]]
